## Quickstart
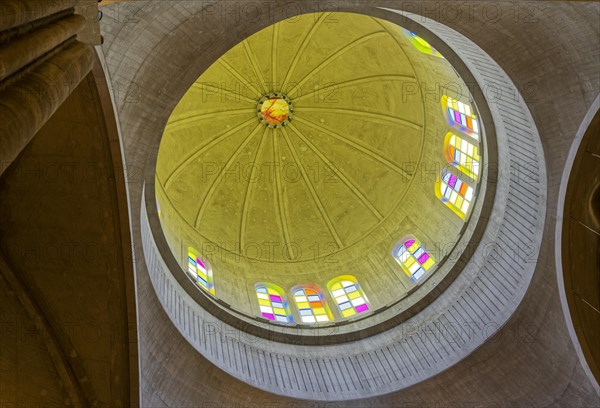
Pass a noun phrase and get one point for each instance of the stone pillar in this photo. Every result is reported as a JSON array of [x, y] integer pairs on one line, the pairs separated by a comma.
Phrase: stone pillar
[[41, 63]]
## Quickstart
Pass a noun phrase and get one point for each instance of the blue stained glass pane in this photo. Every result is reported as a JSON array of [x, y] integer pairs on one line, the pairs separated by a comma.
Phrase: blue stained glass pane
[[277, 304], [192, 260], [401, 250], [299, 292], [446, 177], [447, 193], [202, 281], [281, 318], [262, 289], [457, 185], [305, 312], [345, 305], [313, 298], [350, 289]]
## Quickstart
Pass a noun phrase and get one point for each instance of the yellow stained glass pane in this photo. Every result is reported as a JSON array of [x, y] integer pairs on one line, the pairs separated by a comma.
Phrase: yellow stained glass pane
[[353, 295], [348, 312], [428, 263], [459, 202], [414, 247], [264, 302], [279, 311], [319, 310], [409, 262], [303, 305]]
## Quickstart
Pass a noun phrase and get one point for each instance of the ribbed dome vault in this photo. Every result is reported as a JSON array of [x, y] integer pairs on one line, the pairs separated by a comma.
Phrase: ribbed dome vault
[[290, 159]]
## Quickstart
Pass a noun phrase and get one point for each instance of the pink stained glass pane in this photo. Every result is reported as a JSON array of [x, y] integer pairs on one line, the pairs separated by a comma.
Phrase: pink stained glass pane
[[452, 180], [456, 117], [199, 262], [361, 308], [275, 298], [408, 243], [269, 316], [423, 258]]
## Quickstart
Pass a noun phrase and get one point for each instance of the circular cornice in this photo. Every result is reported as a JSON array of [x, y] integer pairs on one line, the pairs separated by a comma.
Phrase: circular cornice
[[472, 307], [371, 138]]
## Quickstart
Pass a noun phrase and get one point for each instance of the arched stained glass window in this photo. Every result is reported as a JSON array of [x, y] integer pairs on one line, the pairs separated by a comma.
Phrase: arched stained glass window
[[348, 295], [461, 116], [455, 193], [462, 154], [311, 305], [272, 303], [412, 255], [420, 44], [200, 271]]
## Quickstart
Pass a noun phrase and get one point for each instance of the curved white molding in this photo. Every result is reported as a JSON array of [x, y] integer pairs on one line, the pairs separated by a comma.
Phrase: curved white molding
[[560, 210]]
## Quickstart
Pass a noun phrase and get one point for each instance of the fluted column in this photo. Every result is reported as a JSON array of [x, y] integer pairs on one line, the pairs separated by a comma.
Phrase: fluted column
[[14, 13], [26, 105], [41, 63], [16, 54]]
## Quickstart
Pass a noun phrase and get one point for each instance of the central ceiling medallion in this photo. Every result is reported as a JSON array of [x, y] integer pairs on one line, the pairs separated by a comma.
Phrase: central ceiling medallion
[[274, 110]]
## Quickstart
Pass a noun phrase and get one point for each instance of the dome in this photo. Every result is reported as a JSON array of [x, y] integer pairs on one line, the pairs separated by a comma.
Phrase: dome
[[306, 175]]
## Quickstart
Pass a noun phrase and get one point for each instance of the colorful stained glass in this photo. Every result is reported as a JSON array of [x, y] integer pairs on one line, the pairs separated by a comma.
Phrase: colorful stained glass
[[200, 271], [274, 110], [348, 296], [461, 116], [455, 193], [463, 155], [420, 44], [413, 257], [312, 306], [273, 304]]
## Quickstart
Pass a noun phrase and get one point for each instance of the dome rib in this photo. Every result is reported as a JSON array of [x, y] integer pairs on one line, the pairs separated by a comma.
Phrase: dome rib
[[358, 145], [309, 35], [238, 76], [313, 192], [252, 58], [206, 199], [333, 56], [179, 168], [353, 187], [250, 189], [352, 82]]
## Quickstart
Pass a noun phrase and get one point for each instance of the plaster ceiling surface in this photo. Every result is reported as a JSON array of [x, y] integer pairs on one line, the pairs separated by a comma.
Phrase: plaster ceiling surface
[[328, 183]]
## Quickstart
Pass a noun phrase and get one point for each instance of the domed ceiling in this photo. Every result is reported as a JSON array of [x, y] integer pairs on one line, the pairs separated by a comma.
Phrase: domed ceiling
[[307, 152]]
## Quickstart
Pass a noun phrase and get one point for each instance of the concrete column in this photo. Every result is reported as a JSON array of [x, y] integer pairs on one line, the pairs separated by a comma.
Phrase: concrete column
[[28, 103], [20, 52], [14, 13]]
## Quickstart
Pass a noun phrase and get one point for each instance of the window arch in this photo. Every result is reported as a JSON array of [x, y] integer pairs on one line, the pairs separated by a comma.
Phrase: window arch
[[272, 303], [348, 295], [311, 304], [455, 193], [461, 116], [420, 44], [200, 271], [462, 155], [413, 257]]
